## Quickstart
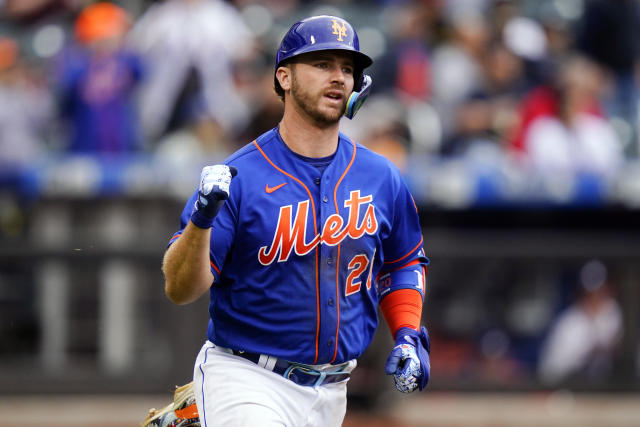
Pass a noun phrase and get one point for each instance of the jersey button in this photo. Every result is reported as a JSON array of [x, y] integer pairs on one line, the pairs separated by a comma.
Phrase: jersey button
[[325, 199], [329, 261], [330, 342], [317, 181], [330, 302]]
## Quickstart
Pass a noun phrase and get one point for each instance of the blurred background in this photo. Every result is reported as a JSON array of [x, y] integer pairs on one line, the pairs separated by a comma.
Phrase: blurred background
[[515, 124]]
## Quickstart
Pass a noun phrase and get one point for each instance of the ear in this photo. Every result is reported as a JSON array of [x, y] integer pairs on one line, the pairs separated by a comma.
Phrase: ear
[[283, 74]]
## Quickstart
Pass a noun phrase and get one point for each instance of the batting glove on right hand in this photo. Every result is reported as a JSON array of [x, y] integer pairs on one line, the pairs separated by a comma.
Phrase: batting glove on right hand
[[212, 193], [409, 360]]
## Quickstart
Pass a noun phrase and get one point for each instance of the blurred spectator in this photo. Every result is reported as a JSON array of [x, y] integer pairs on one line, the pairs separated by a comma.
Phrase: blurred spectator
[[97, 79], [382, 127], [389, 143], [267, 106], [191, 47], [25, 111], [280, 9], [503, 72], [488, 114], [609, 34], [390, 138], [496, 364], [32, 10], [582, 342], [405, 70], [559, 34], [473, 126], [457, 72], [501, 12], [562, 127]]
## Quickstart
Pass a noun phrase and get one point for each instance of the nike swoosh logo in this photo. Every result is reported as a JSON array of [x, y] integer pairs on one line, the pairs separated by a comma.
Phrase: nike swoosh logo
[[270, 190]]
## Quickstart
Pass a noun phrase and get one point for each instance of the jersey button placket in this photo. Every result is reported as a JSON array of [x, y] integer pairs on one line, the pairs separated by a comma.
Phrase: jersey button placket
[[327, 274]]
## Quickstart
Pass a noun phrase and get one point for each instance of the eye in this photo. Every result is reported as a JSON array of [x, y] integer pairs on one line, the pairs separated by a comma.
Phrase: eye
[[322, 65], [347, 70]]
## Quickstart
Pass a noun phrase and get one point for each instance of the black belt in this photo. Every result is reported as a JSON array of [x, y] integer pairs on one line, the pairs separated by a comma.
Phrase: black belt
[[299, 373]]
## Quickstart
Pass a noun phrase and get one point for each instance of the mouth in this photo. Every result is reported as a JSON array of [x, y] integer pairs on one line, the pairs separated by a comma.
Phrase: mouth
[[334, 95]]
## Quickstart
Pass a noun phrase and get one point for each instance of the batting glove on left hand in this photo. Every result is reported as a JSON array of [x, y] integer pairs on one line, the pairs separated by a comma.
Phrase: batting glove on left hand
[[212, 193], [409, 360]]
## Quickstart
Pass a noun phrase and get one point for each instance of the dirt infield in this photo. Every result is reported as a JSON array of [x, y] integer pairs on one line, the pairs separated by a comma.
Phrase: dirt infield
[[560, 409]]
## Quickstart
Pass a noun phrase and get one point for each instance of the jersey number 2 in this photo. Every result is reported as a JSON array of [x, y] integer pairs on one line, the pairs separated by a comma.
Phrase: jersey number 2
[[357, 265]]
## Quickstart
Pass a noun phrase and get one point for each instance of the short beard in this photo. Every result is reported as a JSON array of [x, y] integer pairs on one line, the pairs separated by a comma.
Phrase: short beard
[[303, 99]]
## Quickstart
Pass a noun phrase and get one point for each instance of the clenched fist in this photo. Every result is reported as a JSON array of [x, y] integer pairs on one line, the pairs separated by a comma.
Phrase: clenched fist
[[212, 193]]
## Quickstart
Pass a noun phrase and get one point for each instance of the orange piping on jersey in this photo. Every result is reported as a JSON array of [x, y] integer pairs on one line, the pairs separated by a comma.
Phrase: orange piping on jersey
[[409, 253], [315, 229], [414, 203], [335, 351], [175, 237], [409, 264], [214, 266], [335, 201]]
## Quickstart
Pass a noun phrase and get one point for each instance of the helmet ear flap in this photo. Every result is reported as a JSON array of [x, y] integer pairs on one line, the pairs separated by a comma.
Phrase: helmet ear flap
[[358, 97], [358, 80]]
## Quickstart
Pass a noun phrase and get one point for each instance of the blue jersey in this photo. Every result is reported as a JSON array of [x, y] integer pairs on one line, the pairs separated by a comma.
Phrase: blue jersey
[[301, 256]]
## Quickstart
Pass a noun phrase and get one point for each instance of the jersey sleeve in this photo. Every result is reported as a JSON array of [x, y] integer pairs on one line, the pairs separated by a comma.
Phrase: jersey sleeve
[[184, 217], [405, 263], [222, 232]]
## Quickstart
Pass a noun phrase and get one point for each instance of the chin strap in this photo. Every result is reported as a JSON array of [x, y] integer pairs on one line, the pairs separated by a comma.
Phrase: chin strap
[[357, 98]]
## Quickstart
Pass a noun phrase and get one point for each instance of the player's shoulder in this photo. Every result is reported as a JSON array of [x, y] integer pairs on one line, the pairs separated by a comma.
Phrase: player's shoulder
[[370, 159], [250, 152]]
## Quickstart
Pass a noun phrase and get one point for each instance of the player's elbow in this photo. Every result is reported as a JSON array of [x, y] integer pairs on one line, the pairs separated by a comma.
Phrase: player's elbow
[[174, 293], [183, 292], [184, 282], [174, 288]]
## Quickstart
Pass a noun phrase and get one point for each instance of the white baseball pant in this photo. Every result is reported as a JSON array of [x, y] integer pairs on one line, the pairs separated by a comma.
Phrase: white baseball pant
[[232, 391]]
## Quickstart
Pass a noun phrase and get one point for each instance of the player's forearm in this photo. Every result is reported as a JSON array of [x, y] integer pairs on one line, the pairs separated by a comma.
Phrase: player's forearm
[[402, 308], [186, 266]]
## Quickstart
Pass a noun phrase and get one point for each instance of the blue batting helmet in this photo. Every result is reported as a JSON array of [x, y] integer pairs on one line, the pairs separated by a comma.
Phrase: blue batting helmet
[[322, 33]]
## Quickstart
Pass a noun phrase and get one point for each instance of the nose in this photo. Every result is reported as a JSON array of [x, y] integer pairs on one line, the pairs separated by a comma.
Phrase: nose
[[338, 75]]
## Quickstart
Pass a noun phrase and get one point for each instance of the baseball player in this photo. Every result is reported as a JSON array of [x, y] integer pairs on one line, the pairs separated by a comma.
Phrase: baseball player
[[298, 238]]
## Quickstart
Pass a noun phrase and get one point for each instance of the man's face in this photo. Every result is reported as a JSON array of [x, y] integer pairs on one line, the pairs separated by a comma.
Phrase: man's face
[[321, 83]]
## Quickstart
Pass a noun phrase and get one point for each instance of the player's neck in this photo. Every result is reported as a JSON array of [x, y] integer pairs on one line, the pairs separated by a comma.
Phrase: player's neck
[[307, 139]]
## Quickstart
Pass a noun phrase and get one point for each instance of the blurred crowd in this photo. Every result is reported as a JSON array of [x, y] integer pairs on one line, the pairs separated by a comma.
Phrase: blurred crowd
[[550, 85], [519, 324], [547, 86]]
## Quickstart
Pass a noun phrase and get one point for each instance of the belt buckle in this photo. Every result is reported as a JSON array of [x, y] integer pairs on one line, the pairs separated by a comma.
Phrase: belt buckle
[[305, 370], [322, 375]]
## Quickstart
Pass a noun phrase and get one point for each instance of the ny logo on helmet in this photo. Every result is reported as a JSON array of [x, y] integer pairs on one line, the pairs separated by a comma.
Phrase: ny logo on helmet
[[339, 30]]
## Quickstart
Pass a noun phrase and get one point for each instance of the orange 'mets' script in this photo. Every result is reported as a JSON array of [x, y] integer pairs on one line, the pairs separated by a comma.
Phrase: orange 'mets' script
[[270, 190]]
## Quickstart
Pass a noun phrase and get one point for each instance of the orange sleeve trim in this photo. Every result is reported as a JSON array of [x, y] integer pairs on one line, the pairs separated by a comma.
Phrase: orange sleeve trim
[[409, 264], [214, 267], [408, 253], [402, 308], [175, 237]]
